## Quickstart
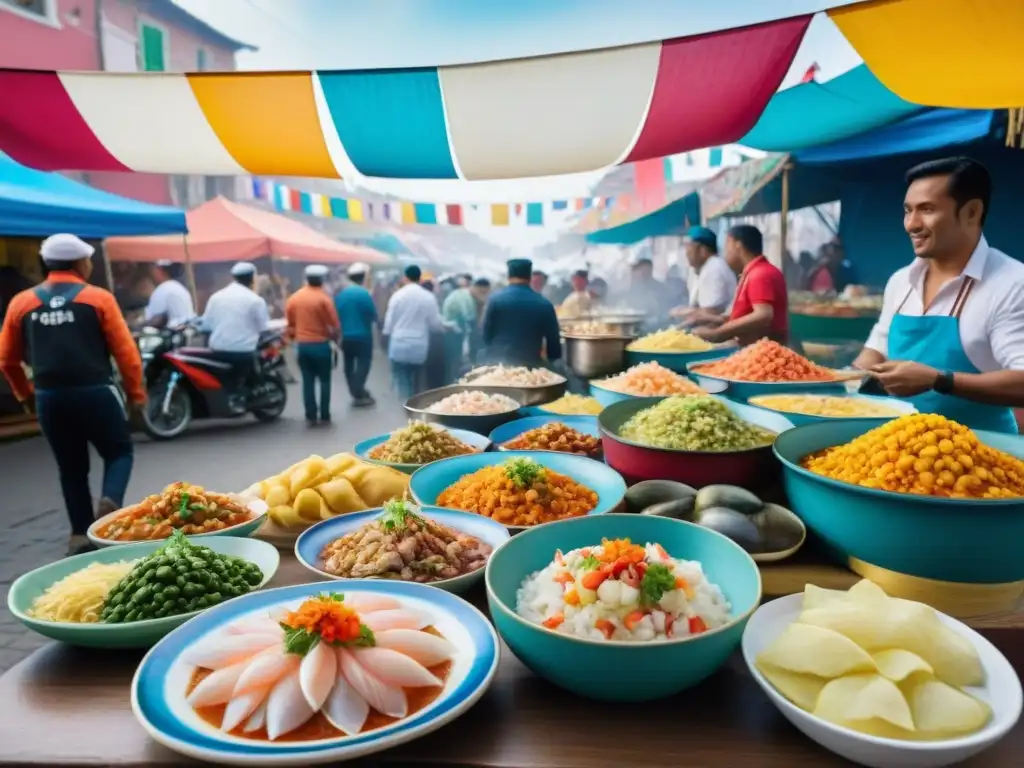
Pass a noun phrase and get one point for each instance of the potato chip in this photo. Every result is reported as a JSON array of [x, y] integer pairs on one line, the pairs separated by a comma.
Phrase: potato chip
[[802, 690], [897, 664], [868, 594], [816, 651], [861, 699], [857, 622], [816, 597], [943, 710]]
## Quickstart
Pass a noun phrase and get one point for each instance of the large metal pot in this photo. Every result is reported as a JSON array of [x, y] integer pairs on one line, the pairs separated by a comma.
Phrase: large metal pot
[[592, 357]]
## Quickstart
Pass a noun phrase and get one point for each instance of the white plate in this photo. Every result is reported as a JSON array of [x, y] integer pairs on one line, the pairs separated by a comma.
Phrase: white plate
[[258, 507], [1002, 692]]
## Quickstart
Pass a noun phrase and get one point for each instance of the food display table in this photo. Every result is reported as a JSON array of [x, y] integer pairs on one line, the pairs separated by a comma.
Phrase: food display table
[[71, 707]]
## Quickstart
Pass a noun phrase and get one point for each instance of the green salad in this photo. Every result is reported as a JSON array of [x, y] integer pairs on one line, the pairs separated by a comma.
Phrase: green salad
[[694, 423]]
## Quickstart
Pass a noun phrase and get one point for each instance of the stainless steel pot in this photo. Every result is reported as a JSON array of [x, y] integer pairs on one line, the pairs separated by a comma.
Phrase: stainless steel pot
[[592, 357]]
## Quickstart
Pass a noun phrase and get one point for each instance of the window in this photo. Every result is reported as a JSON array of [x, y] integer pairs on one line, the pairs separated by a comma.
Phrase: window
[[152, 48], [201, 60], [38, 10]]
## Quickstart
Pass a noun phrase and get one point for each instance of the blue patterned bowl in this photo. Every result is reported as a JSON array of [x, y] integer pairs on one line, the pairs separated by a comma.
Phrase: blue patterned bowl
[[313, 540], [958, 540], [362, 449], [611, 670], [428, 482]]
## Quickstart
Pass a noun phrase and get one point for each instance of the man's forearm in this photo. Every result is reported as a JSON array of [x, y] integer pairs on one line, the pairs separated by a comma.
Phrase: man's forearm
[[995, 388], [867, 358], [749, 325]]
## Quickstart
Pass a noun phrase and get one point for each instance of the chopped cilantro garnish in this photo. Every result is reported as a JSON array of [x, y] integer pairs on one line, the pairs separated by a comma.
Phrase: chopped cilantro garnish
[[299, 641], [589, 563], [397, 514], [656, 582], [184, 511], [524, 472]]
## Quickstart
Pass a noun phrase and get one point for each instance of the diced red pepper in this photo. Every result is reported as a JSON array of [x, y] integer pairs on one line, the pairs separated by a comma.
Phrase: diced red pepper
[[554, 621], [669, 621], [641, 569], [697, 625], [606, 627], [593, 579], [632, 619]]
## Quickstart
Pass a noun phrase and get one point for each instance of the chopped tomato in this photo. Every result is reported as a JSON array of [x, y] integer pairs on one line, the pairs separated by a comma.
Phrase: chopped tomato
[[641, 569], [632, 619], [661, 551], [697, 625], [606, 627], [593, 579], [669, 621], [564, 577], [585, 551], [571, 597], [554, 621]]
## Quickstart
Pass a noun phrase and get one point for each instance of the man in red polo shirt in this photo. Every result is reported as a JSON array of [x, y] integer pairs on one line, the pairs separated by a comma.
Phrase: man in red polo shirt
[[761, 306]]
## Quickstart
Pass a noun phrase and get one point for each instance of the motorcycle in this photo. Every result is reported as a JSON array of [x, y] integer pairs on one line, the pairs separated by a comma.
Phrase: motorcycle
[[185, 382]]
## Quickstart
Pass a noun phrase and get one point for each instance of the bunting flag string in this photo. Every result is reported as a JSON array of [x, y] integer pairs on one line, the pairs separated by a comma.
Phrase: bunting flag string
[[402, 212]]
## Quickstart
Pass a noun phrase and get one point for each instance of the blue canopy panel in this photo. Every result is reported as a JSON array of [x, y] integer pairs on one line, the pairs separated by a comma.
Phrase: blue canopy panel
[[925, 132], [38, 204], [673, 219], [810, 114]]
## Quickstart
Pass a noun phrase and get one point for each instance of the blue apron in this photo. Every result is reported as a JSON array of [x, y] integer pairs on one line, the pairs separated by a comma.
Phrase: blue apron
[[935, 341]]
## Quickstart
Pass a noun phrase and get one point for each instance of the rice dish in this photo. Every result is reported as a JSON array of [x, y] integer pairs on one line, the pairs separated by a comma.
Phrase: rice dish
[[623, 592], [473, 404], [518, 376]]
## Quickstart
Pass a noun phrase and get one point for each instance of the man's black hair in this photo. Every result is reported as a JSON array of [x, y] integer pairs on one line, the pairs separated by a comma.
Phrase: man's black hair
[[247, 279], [968, 180], [413, 273], [315, 281], [482, 282], [357, 278], [749, 237]]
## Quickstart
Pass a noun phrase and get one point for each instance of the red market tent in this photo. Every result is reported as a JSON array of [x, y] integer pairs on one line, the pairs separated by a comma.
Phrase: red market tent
[[220, 230]]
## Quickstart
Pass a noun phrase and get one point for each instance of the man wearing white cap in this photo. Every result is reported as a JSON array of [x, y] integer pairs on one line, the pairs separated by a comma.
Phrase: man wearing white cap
[[70, 330], [235, 317], [313, 325], [170, 303], [358, 316]]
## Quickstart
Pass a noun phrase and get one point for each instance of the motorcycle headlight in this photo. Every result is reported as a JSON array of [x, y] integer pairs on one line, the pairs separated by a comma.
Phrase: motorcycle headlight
[[176, 340], [148, 343]]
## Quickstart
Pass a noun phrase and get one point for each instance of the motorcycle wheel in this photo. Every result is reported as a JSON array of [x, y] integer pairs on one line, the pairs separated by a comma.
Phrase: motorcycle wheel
[[271, 414], [155, 423]]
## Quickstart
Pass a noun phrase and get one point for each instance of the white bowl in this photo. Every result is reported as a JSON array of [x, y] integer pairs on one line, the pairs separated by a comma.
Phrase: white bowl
[[1002, 692], [258, 507]]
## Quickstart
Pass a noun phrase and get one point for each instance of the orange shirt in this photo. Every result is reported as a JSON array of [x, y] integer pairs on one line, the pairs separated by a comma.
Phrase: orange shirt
[[95, 307], [311, 316]]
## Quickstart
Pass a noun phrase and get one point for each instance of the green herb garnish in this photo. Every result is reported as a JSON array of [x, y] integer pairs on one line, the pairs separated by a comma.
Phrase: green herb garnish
[[397, 514], [589, 563], [524, 472], [184, 512], [299, 641], [656, 582]]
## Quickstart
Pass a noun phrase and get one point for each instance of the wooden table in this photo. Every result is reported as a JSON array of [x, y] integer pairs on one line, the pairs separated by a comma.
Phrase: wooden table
[[70, 707]]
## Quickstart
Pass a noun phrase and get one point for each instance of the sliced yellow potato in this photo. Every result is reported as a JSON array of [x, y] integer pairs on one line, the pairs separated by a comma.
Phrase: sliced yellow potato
[[897, 664], [277, 496], [307, 504], [941, 709], [863, 698], [802, 690], [339, 462], [816, 651], [286, 517], [341, 497], [305, 475], [815, 597]]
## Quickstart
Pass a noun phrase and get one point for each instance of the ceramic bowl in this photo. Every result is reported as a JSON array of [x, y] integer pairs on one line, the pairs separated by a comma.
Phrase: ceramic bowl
[[955, 540], [613, 670], [677, 361], [362, 449], [744, 390], [607, 397], [418, 407], [258, 507], [159, 687], [640, 462], [428, 482], [313, 540], [901, 407], [586, 425], [137, 634], [1002, 692]]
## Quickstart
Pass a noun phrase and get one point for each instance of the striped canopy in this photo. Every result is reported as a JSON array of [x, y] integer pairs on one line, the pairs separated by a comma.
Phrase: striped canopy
[[529, 117]]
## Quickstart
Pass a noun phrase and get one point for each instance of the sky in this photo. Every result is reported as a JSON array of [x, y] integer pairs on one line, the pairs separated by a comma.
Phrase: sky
[[372, 34]]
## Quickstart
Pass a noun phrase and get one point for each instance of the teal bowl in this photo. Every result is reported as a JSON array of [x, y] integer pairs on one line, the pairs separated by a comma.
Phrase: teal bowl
[[586, 425], [426, 483], [612, 670], [677, 361], [902, 407], [137, 634], [959, 540], [742, 391], [362, 449], [607, 397]]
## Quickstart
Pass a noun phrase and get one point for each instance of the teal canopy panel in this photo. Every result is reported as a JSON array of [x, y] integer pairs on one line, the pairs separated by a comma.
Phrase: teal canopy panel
[[673, 219]]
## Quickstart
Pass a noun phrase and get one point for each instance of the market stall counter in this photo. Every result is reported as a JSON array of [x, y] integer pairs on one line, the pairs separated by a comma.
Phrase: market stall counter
[[71, 707]]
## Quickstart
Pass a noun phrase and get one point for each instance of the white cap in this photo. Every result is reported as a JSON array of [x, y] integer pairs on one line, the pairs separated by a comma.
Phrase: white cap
[[358, 269], [65, 248], [317, 270], [243, 268], [165, 263]]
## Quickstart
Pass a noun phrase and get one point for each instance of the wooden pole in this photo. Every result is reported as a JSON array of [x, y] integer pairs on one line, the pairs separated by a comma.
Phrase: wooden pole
[[784, 225], [190, 274], [108, 270]]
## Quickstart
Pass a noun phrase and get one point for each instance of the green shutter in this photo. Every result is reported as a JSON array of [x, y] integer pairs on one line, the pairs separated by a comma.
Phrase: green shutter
[[152, 49]]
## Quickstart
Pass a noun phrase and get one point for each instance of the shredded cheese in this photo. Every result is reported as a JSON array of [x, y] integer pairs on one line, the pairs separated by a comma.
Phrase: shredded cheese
[[78, 598]]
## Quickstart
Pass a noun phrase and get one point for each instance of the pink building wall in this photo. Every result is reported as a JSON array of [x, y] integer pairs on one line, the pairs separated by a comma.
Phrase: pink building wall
[[67, 40]]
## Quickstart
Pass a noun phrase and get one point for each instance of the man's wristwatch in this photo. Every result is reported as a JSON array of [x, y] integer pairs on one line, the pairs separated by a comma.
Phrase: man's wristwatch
[[944, 383]]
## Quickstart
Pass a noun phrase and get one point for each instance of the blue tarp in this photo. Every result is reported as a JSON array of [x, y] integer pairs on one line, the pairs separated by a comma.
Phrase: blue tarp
[[673, 219], [810, 114], [38, 204]]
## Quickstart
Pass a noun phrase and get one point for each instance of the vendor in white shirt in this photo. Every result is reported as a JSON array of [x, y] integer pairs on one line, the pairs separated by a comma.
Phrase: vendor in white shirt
[[170, 303], [950, 338], [711, 283]]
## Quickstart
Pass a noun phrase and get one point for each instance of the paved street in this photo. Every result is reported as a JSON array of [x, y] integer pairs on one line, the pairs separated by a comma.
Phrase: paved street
[[223, 456]]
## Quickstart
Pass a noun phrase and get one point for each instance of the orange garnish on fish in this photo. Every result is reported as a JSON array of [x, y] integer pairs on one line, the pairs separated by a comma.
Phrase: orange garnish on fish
[[326, 618]]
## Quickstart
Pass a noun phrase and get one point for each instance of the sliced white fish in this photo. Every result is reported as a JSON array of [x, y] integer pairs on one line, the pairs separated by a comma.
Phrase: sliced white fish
[[394, 668], [217, 687], [424, 647], [277, 615], [287, 708], [386, 699], [367, 602], [225, 650], [345, 709], [395, 618], [317, 673], [266, 668], [254, 625], [257, 719], [241, 707]]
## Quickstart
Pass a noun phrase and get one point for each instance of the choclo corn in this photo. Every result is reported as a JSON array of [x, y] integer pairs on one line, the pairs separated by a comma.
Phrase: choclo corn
[[574, 405], [827, 406], [923, 454]]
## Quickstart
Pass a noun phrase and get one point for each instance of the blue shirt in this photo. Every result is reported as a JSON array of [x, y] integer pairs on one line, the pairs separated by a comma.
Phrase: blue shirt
[[518, 321], [356, 311]]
